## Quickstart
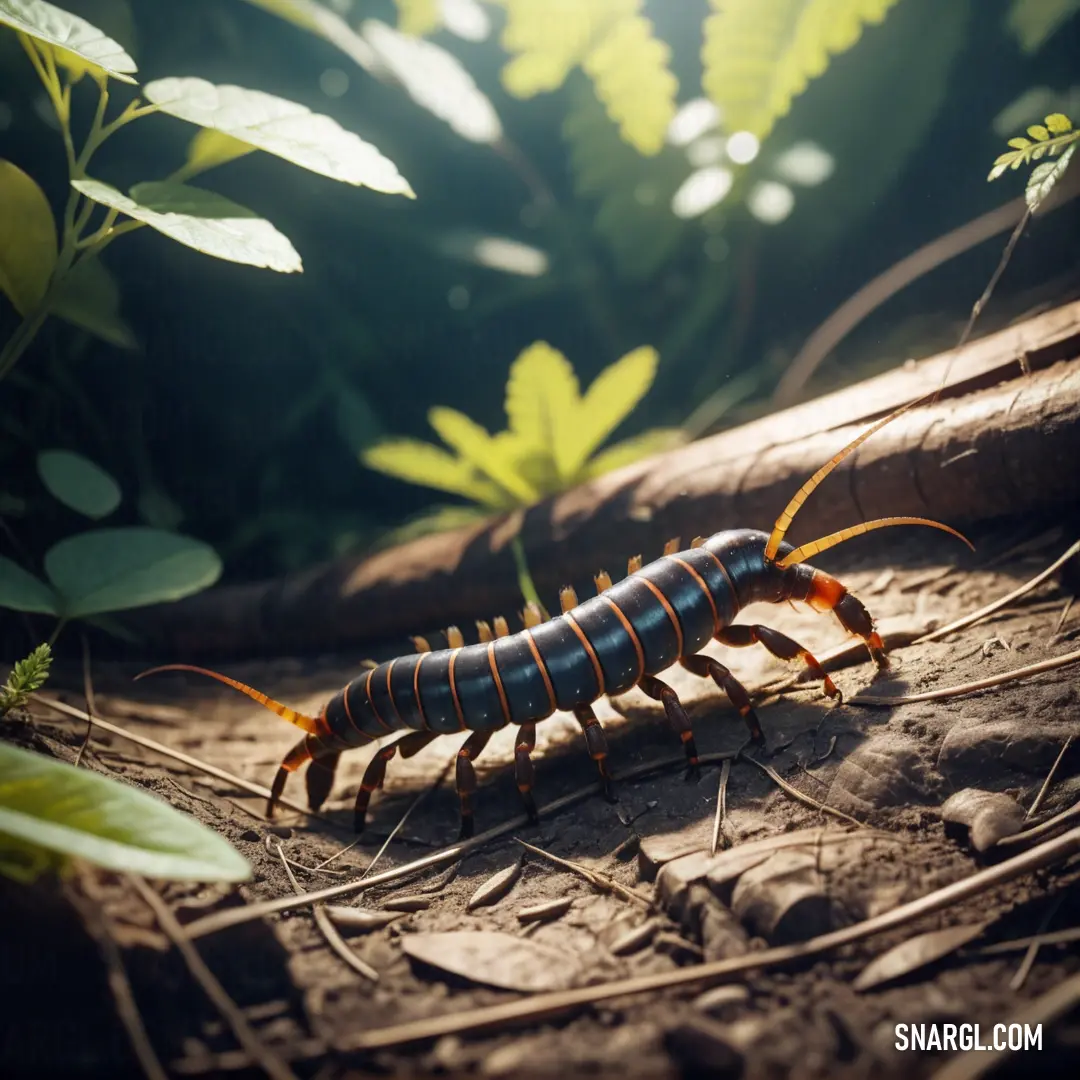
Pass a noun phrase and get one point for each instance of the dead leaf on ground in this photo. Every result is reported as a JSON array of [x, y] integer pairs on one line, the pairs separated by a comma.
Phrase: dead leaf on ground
[[785, 898], [495, 959], [915, 953], [360, 920], [496, 886], [989, 816], [550, 909]]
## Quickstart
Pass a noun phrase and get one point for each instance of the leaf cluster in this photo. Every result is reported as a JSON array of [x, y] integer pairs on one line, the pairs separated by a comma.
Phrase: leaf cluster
[[52, 812], [1053, 137], [551, 439], [27, 676]]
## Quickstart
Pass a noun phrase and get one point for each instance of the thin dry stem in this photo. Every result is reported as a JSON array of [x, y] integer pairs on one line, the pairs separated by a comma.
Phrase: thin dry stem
[[329, 930], [972, 687], [1004, 601], [88, 693], [230, 1012], [601, 881], [721, 806], [221, 920], [1049, 779], [545, 1006], [801, 796]]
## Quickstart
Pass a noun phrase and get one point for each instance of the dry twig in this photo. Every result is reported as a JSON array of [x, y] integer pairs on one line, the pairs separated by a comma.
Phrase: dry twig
[[1004, 601], [801, 796], [230, 1012], [1022, 972], [220, 920], [544, 1006], [598, 880], [1049, 779], [972, 687], [721, 805], [88, 693]]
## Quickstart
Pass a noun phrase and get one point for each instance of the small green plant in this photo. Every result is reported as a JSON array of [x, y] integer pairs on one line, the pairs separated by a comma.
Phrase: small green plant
[[52, 813], [26, 677], [549, 446], [1053, 137], [103, 570], [37, 272]]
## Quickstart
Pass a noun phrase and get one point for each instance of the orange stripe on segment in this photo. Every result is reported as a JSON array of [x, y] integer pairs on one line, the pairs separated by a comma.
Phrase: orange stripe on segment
[[597, 669], [704, 588], [498, 682], [723, 570], [390, 693], [416, 691], [659, 594], [629, 628], [348, 712], [453, 690], [543, 670], [371, 702]]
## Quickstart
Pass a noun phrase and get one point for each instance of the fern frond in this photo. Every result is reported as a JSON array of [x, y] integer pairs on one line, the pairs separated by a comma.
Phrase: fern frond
[[759, 55], [1047, 139], [26, 677]]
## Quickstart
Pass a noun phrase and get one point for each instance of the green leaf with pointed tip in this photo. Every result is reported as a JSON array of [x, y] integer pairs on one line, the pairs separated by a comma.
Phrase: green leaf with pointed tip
[[75, 813], [78, 483], [27, 238], [210, 148], [280, 127], [21, 591], [1043, 178], [202, 220], [633, 449], [117, 569], [62, 30], [431, 466]]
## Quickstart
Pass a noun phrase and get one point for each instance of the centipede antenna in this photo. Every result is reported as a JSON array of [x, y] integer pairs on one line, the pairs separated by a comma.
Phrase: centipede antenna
[[697, 542], [602, 581], [501, 627], [807, 551], [421, 643], [302, 721], [783, 522], [368, 665], [633, 564], [532, 615], [567, 598], [455, 639], [483, 631], [672, 545]]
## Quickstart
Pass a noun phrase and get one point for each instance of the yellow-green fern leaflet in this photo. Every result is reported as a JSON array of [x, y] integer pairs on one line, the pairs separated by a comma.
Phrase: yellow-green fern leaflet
[[759, 55]]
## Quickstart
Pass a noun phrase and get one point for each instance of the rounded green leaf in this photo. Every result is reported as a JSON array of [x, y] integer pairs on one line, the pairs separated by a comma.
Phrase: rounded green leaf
[[27, 238], [88, 297], [63, 30], [116, 569], [202, 220], [21, 591], [77, 813], [78, 483], [280, 127], [209, 148]]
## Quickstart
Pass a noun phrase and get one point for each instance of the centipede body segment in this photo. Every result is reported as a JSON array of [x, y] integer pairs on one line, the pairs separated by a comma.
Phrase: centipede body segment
[[661, 614]]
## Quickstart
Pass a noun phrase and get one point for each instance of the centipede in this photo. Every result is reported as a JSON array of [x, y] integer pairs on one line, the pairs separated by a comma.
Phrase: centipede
[[661, 614]]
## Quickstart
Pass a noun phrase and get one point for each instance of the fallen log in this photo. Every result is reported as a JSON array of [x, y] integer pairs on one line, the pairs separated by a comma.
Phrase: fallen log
[[1002, 439]]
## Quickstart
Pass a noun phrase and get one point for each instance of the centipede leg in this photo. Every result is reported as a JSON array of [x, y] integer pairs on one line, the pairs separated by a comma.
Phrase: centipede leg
[[596, 743], [825, 593], [409, 744], [466, 778], [781, 646], [320, 776], [707, 667], [296, 757], [677, 718], [523, 769]]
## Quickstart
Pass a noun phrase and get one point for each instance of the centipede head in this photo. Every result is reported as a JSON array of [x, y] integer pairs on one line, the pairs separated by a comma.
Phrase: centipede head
[[806, 551]]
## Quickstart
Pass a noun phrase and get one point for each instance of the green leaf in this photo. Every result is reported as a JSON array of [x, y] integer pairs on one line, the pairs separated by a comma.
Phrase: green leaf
[[542, 398], [1033, 22], [1043, 178], [480, 450], [611, 398], [27, 238], [27, 676], [61, 29], [21, 591], [439, 519], [759, 55], [117, 569], [1059, 123], [210, 148], [76, 813], [418, 17], [88, 297], [421, 463], [202, 220], [78, 483], [633, 449], [319, 20], [1020, 143], [280, 127], [1037, 131]]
